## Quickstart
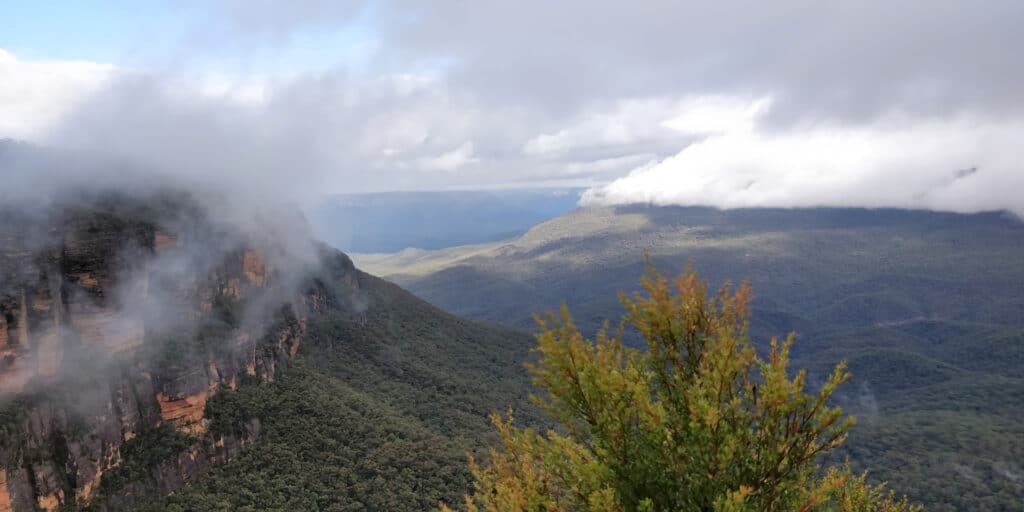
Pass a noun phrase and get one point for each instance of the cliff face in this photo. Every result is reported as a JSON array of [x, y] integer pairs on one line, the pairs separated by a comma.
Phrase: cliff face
[[116, 324]]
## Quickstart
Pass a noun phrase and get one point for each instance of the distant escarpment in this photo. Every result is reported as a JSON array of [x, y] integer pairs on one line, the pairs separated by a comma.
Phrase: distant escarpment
[[119, 318]]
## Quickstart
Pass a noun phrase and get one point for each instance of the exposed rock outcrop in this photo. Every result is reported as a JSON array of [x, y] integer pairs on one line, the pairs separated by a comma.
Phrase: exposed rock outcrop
[[100, 342]]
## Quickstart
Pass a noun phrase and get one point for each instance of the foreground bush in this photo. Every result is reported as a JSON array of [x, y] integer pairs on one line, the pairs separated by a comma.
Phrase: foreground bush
[[698, 422]]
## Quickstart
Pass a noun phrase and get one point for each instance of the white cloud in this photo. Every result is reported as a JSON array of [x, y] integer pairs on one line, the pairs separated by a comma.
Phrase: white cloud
[[964, 164], [452, 160], [35, 94], [253, 91], [605, 165], [723, 112], [620, 123], [703, 115]]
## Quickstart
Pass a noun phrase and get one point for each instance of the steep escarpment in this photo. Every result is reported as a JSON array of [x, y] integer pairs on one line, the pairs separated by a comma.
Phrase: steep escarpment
[[119, 320], [376, 411]]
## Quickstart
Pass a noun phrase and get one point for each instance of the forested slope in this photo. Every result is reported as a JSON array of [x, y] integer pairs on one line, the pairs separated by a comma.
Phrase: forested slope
[[154, 356], [926, 307]]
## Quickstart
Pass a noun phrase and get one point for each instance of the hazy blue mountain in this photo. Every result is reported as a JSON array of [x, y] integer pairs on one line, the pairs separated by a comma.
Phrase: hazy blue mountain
[[389, 222]]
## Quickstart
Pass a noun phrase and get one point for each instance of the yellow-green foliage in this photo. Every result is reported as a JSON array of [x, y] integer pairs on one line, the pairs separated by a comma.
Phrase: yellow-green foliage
[[697, 422]]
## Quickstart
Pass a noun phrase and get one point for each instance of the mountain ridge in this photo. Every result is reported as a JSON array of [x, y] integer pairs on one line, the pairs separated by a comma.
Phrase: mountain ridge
[[144, 342], [925, 307]]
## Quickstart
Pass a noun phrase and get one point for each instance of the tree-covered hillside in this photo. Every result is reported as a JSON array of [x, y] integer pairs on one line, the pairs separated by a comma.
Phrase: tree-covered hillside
[[926, 307], [376, 412], [152, 358], [697, 420]]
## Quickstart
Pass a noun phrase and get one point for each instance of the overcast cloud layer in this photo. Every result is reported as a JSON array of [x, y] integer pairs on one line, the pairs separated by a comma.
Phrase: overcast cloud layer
[[915, 104]]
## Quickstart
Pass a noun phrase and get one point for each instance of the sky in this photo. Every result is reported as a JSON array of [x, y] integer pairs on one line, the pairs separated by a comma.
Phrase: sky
[[916, 104]]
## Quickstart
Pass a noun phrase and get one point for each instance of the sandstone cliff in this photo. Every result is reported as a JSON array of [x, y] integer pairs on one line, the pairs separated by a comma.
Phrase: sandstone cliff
[[120, 321]]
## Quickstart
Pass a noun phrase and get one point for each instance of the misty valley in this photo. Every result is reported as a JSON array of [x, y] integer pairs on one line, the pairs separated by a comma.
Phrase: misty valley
[[157, 357], [574, 256], [925, 307]]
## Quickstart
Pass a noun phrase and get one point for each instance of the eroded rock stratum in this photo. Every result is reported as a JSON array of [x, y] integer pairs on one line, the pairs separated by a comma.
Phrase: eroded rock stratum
[[116, 321]]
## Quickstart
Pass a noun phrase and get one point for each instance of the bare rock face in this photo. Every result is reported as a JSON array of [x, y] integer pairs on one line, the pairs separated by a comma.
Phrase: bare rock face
[[115, 322]]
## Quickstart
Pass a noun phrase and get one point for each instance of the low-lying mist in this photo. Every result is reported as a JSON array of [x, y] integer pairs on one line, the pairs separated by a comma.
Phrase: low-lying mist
[[139, 250], [966, 165]]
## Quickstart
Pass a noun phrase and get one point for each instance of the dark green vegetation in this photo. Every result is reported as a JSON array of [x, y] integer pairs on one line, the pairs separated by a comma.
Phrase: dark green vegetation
[[331, 389], [376, 412], [696, 421], [142, 454], [927, 308], [324, 446]]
